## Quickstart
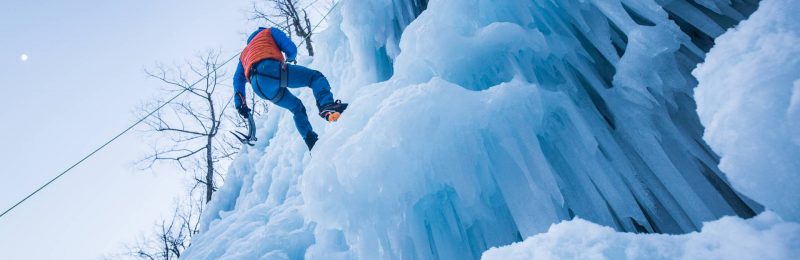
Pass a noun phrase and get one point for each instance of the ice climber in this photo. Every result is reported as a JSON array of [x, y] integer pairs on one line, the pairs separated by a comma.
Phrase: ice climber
[[262, 63]]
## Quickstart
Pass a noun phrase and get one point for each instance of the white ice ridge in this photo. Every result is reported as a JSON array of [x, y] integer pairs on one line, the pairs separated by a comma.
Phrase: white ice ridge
[[764, 237], [478, 122]]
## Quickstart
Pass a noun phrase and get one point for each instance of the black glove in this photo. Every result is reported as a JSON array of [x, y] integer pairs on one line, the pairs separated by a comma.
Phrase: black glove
[[244, 110]]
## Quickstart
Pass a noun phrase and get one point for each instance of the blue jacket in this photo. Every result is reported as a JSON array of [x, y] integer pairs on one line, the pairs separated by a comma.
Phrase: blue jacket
[[284, 43]]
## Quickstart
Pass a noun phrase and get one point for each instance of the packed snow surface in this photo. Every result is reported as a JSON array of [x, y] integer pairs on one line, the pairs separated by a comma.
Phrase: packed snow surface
[[761, 238], [476, 123], [749, 100]]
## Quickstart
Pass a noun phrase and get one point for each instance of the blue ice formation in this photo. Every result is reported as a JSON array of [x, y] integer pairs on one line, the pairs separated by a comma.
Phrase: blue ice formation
[[476, 123]]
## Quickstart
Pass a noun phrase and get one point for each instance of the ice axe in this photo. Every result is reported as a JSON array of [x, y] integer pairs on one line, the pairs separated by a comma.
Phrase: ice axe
[[250, 137]]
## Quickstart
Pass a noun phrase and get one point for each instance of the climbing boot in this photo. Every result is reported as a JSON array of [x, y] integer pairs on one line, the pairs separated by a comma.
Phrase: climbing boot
[[311, 139], [333, 111]]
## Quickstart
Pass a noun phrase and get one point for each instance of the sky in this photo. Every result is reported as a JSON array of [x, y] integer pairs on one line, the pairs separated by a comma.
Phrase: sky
[[80, 85]]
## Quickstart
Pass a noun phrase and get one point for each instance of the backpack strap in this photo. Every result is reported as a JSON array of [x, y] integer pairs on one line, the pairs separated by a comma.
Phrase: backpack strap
[[283, 85]]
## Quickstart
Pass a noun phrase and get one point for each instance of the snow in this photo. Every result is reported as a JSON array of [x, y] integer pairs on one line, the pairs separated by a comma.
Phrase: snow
[[766, 236], [477, 123], [748, 100]]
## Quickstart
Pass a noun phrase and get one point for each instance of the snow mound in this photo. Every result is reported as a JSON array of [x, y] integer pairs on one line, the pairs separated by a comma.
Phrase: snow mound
[[763, 237], [749, 100], [475, 123]]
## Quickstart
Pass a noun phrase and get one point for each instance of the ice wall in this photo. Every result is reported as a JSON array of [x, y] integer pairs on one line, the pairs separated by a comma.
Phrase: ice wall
[[476, 123], [749, 101]]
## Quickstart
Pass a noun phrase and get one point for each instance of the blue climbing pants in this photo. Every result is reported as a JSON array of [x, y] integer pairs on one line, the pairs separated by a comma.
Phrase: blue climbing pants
[[266, 84]]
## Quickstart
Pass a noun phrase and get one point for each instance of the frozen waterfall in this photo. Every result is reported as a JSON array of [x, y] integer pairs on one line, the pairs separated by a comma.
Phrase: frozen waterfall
[[477, 123]]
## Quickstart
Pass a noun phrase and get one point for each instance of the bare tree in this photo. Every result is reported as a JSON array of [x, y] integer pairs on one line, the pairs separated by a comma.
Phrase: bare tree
[[287, 15], [171, 237], [189, 133], [191, 124]]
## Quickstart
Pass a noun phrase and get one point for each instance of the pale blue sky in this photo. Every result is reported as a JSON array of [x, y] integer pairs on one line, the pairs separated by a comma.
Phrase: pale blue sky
[[78, 88]]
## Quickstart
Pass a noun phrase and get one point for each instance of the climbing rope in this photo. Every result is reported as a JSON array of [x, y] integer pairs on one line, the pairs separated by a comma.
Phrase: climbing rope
[[115, 137], [320, 20], [140, 121]]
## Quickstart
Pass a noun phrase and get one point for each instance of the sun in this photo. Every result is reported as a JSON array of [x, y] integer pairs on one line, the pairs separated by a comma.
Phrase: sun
[[23, 57]]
